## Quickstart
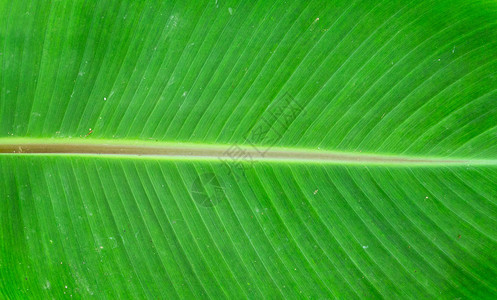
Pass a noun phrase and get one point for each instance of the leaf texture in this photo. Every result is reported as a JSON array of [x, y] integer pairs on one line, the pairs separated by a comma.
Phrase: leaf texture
[[412, 81]]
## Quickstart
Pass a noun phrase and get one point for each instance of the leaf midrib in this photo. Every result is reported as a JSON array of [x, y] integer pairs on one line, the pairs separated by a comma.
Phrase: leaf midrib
[[27, 146]]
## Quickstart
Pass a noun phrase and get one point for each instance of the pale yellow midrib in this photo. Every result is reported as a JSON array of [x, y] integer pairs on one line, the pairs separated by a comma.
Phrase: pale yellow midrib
[[224, 152]]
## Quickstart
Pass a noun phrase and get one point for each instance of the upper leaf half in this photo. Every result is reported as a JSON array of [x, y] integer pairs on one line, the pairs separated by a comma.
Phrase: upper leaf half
[[399, 77]]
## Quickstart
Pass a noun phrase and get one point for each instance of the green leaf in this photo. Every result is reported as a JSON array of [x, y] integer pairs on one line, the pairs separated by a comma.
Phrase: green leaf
[[257, 149]]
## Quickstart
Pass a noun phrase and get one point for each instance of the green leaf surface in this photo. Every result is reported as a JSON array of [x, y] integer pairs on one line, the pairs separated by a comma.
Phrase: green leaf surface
[[248, 149]]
